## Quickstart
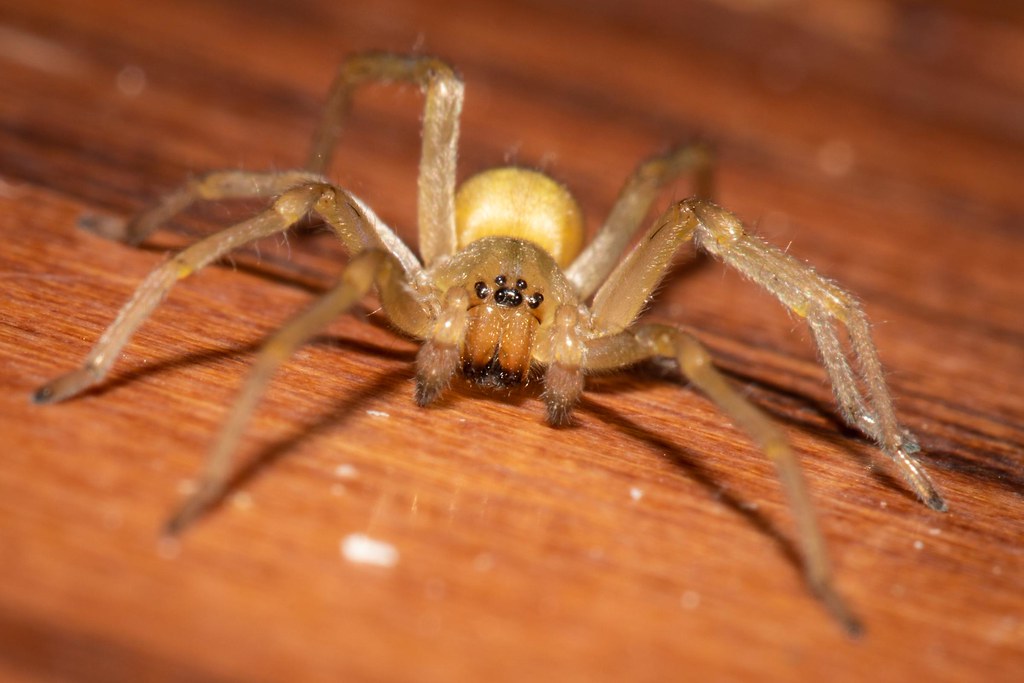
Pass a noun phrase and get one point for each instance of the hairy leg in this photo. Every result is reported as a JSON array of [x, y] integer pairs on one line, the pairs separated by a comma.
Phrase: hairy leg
[[864, 399], [341, 211], [442, 109], [362, 273], [285, 211], [694, 362], [213, 186], [592, 266]]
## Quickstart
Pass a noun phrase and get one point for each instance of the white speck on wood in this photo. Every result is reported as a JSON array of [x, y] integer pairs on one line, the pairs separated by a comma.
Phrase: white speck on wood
[[362, 549], [690, 600], [345, 471], [241, 501]]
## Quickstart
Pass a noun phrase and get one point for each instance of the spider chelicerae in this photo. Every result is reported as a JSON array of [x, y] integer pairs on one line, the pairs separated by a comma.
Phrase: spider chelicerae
[[503, 284]]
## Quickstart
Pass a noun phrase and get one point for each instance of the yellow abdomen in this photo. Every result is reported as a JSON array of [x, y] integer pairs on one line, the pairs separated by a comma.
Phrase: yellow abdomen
[[520, 203]]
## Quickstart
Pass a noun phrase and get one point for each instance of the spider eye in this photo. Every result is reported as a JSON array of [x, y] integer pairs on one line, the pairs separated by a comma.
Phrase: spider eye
[[500, 280], [536, 300], [481, 290], [520, 283]]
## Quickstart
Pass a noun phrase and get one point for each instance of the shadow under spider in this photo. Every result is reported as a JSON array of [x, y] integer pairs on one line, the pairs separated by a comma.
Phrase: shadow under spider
[[270, 269], [977, 460], [246, 350], [784, 406], [689, 463], [981, 460], [345, 406], [340, 410]]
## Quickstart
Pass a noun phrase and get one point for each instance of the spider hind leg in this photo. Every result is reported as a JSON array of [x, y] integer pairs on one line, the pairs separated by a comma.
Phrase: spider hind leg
[[857, 378], [653, 341]]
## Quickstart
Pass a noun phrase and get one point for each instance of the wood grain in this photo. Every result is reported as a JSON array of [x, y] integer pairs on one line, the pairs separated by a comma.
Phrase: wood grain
[[882, 140]]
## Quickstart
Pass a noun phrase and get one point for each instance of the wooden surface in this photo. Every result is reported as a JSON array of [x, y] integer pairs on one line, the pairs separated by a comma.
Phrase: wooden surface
[[884, 141]]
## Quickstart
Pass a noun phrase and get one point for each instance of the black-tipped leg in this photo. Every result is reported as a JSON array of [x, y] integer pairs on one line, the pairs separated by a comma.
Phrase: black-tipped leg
[[837, 608], [192, 509], [65, 386]]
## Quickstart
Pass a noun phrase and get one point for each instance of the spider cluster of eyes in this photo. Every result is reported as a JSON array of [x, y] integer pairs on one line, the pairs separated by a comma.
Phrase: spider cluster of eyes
[[506, 296]]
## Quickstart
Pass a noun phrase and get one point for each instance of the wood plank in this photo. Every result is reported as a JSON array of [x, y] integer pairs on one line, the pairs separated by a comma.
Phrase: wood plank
[[883, 142]]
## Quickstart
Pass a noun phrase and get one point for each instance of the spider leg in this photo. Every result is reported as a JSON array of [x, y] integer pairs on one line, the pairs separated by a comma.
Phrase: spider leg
[[863, 399], [443, 106], [208, 187], [844, 383], [362, 273], [648, 341], [286, 210], [368, 233], [592, 266]]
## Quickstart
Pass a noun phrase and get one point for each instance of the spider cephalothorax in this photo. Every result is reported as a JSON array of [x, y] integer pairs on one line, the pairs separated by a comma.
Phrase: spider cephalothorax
[[501, 286], [513, 225]]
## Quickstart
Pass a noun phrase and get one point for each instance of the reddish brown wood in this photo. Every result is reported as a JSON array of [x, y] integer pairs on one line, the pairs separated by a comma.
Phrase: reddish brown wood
[[883, 141]]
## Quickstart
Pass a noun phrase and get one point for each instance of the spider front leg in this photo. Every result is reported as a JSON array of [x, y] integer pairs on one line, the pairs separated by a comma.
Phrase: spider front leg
[[647, 341], [354, 224], [594, 264], [365, 270], [285, 211], [866, 404], [864, 399], [443, 92], [214, 186]]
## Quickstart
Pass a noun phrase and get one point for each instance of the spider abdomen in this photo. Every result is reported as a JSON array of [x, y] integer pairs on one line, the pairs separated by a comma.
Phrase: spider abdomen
[[520, 203]]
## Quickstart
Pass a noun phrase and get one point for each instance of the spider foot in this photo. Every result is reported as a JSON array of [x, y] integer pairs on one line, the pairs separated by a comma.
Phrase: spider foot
[[918, 479], [64, 387], [838, 609], [193, 508], [934, 500]]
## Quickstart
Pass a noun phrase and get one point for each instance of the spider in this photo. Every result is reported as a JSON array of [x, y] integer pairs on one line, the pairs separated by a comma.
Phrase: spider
[[502, 285]]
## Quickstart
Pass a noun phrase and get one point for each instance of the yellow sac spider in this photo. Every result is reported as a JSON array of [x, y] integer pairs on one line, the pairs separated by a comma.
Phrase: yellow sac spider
[[501, 285]]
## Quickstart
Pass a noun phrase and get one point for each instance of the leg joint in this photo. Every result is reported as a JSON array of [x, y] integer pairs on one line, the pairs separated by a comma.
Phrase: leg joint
[[298, 201], [717, 229]]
